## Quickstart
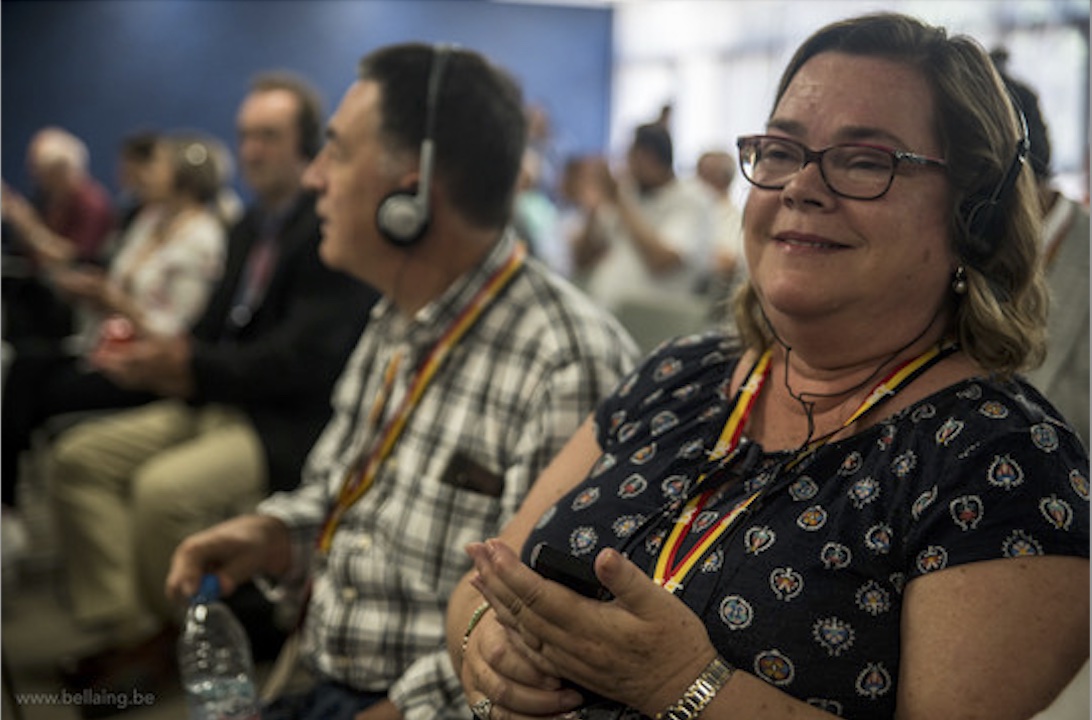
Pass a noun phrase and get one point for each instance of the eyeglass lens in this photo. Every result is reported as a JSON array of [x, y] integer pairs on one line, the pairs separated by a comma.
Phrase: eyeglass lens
[[855, 171]]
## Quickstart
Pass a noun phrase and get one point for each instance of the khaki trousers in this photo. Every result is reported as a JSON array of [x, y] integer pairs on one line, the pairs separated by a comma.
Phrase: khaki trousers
[[128, 487]]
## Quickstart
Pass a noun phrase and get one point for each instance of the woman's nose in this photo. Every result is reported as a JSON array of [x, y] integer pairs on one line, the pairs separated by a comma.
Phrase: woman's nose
[[807, 186]]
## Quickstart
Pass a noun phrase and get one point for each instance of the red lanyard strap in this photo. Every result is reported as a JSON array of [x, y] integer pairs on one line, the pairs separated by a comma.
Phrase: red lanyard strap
[[355, 484], [669, 571]]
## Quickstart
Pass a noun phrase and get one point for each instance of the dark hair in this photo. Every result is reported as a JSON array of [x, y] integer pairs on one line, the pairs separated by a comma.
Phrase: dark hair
[[139, 146], [480, 127], [1000, 322], [310, 117], [655, 139]]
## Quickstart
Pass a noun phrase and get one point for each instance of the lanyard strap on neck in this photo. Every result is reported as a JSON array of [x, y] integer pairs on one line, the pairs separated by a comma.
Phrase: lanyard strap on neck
[[355, 484], [670, 572]]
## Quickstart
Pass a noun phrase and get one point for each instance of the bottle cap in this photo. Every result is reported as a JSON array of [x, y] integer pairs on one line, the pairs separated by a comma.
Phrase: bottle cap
[[209, 590]]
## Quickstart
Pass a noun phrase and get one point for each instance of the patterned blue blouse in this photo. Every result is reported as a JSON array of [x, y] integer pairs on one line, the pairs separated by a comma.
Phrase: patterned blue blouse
[[805, 590]]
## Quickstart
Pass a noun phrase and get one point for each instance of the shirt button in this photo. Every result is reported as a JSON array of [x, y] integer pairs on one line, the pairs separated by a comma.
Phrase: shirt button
[[348, 594], [364, 543]]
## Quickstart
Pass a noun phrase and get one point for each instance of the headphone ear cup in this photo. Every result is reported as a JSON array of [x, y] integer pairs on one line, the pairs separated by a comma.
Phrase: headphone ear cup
[[403, 216], [978, 220], [981, 216], [400, 218]]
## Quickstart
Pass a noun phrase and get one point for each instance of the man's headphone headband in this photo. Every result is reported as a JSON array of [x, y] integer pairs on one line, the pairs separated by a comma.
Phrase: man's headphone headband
[[403, 216]]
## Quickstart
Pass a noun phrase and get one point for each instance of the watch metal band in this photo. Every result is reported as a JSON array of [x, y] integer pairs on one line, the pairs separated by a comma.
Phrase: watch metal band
[[701, 692]]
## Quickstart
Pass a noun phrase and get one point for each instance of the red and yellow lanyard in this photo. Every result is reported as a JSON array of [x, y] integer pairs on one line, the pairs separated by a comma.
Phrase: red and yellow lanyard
[[670, 571], [355, 484]]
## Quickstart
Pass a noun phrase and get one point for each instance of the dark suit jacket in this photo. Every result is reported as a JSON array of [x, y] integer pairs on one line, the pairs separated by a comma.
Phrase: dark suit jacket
[[280, 367]]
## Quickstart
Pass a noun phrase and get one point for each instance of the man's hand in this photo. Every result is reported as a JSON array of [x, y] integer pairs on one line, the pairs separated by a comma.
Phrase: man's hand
[[50, 249], [236, 550], [82, 282], [157, 364], [382, 710]]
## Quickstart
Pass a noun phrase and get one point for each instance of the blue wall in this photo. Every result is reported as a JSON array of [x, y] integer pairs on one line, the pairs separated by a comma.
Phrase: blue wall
[[103, 68]]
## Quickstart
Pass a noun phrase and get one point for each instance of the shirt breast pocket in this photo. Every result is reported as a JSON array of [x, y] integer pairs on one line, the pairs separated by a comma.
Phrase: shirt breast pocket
[[465, 474]]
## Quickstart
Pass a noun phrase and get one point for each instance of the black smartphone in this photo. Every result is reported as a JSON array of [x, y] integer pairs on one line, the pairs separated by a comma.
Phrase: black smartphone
[[575, 574], [570, 571]]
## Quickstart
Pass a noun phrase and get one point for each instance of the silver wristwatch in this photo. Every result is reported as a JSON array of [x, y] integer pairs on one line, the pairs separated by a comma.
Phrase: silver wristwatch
[[700, 693]]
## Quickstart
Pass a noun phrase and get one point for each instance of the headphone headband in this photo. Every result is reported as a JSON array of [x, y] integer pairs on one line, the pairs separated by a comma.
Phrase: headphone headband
[[428, 142], [980, 220], [403, 216]]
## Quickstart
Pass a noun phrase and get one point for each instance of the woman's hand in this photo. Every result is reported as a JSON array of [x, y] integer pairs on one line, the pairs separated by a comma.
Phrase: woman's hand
[[498, 665], [643, 648]]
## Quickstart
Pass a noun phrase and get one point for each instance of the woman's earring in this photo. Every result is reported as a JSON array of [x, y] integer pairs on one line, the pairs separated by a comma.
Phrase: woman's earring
[[959, 281]]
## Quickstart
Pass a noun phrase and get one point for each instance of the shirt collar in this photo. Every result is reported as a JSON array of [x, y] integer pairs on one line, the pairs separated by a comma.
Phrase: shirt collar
[[429, 323]]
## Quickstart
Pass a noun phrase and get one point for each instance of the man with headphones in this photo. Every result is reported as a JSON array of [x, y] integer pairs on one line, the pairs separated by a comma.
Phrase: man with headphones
[[245, 397], [477, 365]]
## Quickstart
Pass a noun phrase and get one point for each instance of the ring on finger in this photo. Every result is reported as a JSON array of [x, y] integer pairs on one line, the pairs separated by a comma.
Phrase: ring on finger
[[482, 709]]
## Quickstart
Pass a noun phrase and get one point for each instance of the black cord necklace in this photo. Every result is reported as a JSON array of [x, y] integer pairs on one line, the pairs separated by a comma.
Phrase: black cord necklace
[[808, 406]]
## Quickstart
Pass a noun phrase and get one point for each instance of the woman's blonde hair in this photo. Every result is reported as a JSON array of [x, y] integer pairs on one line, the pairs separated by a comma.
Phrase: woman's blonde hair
[[1000, 321]]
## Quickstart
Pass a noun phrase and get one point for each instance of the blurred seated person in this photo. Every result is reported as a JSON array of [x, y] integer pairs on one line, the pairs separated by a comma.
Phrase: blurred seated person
[[69, 219], [543, 142], [645, 234], [229, 204], [535, 217], [716, 171], [1064, 375], [245, 394], [158, 284], [574, 193], [71, 215], [857, 508], [134, 155]]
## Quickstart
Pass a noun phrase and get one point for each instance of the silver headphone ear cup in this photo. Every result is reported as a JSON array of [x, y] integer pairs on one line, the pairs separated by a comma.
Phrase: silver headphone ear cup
[[400, 219]]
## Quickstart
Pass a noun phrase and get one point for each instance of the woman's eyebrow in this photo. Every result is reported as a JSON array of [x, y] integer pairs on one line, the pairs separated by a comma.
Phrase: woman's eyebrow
[[789, 127], [866, 132], [850, 133]]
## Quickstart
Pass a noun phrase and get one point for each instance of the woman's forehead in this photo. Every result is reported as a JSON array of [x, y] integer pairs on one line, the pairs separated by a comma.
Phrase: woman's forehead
[[843, 97]]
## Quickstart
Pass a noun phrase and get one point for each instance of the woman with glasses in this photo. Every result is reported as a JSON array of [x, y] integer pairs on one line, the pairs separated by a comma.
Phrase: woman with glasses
[[856, 508]]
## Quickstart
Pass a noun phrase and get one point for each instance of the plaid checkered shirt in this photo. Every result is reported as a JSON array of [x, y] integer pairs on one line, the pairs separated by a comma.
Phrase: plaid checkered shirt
[[513, 390]]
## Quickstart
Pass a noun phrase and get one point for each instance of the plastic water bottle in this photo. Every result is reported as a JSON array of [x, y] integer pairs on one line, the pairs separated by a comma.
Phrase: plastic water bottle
[[214, 660]]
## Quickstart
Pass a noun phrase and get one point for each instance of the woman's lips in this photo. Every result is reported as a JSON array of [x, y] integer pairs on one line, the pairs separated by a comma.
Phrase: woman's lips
[[805, 241]]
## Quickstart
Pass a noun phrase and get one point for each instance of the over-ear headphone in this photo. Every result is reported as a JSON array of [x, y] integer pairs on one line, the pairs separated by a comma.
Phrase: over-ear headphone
[[403, 215], [981, 216]]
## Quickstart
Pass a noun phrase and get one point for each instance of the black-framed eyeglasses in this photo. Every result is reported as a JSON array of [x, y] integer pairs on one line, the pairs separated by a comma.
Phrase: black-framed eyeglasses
[[859, 171]]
